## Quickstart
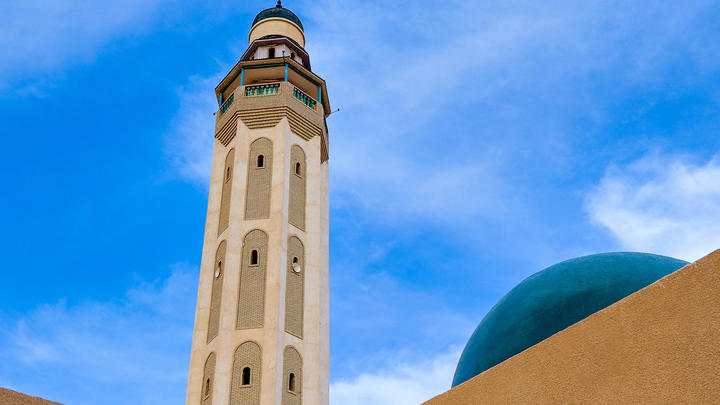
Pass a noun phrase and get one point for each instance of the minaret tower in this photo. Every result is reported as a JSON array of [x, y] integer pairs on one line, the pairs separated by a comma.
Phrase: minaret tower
[[261, 325]]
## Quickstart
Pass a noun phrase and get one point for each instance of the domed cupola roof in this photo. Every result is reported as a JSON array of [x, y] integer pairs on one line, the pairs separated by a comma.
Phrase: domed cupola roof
[[278, 12], [554, 299]]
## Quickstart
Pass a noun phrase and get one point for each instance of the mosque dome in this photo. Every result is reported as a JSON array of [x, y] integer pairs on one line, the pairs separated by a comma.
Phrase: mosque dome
[[555, 298], [278, 12]]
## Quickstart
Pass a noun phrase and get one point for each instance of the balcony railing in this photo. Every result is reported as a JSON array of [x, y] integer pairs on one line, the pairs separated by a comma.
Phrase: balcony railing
[[304, 98], [262, 89], [227, 104]]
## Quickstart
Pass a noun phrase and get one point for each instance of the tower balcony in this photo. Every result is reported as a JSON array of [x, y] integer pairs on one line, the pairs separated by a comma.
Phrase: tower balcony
[[269, 96], [311, 88], [261, 92]]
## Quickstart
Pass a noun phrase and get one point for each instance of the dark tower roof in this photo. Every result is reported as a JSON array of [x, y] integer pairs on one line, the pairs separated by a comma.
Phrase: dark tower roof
[[278, 12]]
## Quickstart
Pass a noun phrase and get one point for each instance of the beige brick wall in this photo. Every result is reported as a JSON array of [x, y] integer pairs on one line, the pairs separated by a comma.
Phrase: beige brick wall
[[296, 209], [251, 301], [292, 364], [216, 298], [208, 381], [294, 291], [228, 175], [248, 354]]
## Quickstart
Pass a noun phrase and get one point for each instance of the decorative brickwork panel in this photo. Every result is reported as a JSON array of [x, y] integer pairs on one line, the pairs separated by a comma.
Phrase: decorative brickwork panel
[[218, 274], [259, 179], [295, 287], [296, 210], [246, 375], [267, 111], [292, 377], [208, 381], [226, 191], [251, 302]]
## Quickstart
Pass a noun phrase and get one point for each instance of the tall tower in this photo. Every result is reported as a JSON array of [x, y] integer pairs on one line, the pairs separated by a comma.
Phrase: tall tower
[[261, 325]]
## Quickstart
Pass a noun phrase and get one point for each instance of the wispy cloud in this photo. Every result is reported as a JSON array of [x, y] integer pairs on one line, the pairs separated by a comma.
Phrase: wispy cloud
[[441, 111], [189, 142], [661, 204], [41, 35], [135, 350], [401, 383]]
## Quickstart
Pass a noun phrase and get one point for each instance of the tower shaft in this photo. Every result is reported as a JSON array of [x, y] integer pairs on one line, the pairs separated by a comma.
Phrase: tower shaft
[[261, 333]]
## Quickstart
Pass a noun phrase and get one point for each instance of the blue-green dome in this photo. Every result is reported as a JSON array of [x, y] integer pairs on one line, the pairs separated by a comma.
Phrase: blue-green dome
[[553, 299], [278, 12]]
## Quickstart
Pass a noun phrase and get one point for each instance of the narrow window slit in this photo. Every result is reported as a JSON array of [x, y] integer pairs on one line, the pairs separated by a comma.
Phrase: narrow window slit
[[246, 373], [291, 382]]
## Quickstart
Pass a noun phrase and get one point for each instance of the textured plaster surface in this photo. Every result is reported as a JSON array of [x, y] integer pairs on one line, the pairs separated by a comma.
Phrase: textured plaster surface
[[659, 345], [8, 397]]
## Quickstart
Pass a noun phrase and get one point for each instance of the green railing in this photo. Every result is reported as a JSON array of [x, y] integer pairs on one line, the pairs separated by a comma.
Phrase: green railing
[[227, 104], [307, 100], [262, 89]]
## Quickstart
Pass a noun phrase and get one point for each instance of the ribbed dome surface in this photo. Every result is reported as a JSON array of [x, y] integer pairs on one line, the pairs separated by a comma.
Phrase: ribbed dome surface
[[555, 298], [278, 12]]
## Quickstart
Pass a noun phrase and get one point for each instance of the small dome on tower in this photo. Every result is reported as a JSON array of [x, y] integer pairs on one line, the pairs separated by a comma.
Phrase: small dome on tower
[[278, 12], [277, 21]]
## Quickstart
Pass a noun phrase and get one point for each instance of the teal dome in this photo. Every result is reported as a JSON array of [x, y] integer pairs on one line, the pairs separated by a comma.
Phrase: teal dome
[[553, 299], [278, 12]]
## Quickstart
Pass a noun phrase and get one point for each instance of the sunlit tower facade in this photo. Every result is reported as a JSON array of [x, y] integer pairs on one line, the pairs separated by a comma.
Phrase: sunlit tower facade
[[261, 332]]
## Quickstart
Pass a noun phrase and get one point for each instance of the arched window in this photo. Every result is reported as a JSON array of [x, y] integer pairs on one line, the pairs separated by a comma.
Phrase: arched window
[[296, 206], [259, 182], [224, 219], [207, 388], [246, 379], [291, 382], [271, 53], [254, 257], [292, 55], [218, 270], [246, 376]]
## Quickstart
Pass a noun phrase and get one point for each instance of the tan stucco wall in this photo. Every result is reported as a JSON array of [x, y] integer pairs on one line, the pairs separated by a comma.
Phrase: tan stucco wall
[[660, 345], [8, 397]]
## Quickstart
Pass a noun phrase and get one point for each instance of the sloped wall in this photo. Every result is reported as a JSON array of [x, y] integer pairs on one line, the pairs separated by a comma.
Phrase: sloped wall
[[659, 345]]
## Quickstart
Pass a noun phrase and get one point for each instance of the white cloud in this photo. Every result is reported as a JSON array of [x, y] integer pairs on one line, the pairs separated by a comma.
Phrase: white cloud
[[38, 35], [661, 204], [135, 350], [402, 76], [189, 143], [399, 384]]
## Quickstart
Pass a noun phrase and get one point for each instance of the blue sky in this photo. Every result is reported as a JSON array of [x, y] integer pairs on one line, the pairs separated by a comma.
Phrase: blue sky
[[477, 143]]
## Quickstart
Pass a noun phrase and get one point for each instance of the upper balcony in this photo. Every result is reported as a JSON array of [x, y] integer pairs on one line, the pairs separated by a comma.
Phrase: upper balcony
[[269, 96], [250, 74]]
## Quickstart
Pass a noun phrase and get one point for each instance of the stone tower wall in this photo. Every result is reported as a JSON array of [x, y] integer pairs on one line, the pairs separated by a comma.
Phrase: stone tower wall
[[241, 318]]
